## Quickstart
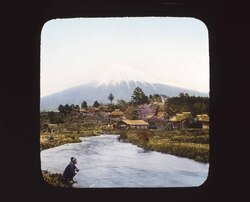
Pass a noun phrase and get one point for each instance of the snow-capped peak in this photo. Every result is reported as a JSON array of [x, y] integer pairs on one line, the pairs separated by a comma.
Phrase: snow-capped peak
[[117, 73]]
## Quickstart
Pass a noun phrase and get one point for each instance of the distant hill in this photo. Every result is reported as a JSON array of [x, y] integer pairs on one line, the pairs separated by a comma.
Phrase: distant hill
[[100, 91]]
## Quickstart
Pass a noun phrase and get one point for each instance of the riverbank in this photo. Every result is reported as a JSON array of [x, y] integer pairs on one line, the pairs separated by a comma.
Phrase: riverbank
[[55, 179], [50, 140], [189, 144]]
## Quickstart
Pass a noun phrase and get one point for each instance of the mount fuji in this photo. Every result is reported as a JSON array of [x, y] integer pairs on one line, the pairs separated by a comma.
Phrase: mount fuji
[[120, 80]]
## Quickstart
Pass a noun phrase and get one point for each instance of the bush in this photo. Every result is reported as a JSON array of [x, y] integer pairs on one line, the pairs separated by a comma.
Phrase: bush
[[55, 179]]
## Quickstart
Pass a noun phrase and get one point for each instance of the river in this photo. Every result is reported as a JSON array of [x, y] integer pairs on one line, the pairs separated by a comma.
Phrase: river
[[104, 162]]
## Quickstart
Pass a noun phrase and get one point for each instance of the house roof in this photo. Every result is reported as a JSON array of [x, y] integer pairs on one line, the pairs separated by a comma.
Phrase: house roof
[[186, 114], [104, 108], [177, 118], [202, 117], [117, 112], [135, 122], [180, 117], [159, 115]]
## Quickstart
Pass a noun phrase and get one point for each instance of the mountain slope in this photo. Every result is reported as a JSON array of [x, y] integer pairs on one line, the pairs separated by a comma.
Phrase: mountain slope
[[98, 90]]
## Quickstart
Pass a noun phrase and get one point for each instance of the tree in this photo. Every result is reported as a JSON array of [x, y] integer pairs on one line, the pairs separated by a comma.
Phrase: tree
[[151, 98], [131, 112], [96, 104], [111, 98], [144, 110], [61, 109], [84, 105], [155, 98], [64, 109], [139, 97], [67, 108], [77, 107], [184, 102], [121, 104]]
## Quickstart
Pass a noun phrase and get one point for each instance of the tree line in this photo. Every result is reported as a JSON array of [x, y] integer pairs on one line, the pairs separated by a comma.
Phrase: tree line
[[171, 105]]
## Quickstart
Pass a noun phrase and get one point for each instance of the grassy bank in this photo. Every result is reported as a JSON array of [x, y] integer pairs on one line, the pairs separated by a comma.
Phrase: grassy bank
[[190, 145], [54, 140], [55, 179], [49, 140]]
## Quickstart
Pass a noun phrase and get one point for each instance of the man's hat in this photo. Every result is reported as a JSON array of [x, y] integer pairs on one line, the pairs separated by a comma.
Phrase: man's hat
[[73, 159]]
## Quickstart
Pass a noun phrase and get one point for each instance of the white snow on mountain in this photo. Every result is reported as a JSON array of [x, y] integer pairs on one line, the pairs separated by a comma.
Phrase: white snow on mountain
[[118, 73]]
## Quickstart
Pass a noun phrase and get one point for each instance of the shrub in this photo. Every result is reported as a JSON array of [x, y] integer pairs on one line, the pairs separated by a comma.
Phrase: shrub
[[55, 179]]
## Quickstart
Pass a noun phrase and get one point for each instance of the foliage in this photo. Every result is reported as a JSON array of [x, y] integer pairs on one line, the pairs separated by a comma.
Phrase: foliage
[[111, 98], [189, 145], [54, 118], [121, 104], [184, 102], [96, 104], [130, 112], [198, 152], [139, 97], [66, 109], [144, 110], [55, 179], [155, 98], [84, 105], [48, 141]]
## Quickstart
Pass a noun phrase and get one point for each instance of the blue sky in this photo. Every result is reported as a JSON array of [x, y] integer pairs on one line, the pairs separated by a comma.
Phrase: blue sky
[[171, 50]]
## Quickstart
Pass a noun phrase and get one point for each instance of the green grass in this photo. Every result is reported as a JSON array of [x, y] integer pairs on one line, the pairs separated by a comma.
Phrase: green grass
[[189, 145], [58, 139]]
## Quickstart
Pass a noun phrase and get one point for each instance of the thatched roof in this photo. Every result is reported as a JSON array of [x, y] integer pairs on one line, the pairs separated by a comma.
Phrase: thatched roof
[[135, 122], [180, 117], [177, 118], [117, 112], [104, 108], [159, 115], [186, 114], [90, 109], [202, 117]]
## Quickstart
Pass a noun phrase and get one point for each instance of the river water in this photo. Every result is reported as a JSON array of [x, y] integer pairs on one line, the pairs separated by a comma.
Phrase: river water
[[105, 162]]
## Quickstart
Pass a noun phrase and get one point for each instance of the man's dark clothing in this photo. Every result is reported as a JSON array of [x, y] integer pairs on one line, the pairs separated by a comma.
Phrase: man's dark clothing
[[70, 171]]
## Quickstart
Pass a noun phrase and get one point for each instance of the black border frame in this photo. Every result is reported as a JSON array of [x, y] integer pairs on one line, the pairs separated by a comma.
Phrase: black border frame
[[20, 114]]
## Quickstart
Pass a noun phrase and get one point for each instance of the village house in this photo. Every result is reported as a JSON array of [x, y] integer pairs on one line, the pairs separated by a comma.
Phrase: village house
[[104, 108], [204, 119], [132, 124], [116, 115], [179, 121], [157, 118]]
